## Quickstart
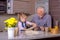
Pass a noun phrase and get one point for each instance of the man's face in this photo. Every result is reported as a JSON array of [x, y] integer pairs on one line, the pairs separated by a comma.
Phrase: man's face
[[40, 11]]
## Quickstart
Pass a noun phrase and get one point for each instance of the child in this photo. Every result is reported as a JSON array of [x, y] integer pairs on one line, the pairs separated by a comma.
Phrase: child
[[22, 24]]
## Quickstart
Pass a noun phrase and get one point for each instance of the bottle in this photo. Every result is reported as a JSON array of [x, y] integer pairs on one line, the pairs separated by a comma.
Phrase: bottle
[[56, 26]]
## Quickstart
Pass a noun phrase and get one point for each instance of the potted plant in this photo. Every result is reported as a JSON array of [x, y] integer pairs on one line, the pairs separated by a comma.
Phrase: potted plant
[[10, 25]]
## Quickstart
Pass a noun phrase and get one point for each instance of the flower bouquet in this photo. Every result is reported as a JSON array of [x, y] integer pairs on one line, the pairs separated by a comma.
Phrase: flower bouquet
[[11, 22], [10, 25]]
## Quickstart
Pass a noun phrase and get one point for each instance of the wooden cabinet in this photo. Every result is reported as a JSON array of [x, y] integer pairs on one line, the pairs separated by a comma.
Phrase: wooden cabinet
[[54, 8], [26, 6]]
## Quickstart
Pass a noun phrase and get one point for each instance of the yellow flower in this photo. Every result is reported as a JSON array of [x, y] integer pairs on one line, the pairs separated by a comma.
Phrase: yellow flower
[[7, 20], [6, 28], [11, 22], [12, 18], [9, 25], [16, 21]]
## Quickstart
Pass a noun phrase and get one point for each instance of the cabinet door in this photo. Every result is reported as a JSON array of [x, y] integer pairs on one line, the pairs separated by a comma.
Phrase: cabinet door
[[23, 6], [54, 8]]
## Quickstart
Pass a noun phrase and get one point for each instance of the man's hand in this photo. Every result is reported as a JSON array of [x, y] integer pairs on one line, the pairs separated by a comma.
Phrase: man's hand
[[42, 28], [46, 29]]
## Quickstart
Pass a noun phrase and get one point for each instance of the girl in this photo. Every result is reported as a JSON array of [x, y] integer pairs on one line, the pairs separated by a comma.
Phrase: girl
[[22, 24]]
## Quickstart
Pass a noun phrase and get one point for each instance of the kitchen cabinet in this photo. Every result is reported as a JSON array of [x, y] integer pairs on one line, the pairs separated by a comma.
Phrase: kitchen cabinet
[[54, 9], [26, 6]]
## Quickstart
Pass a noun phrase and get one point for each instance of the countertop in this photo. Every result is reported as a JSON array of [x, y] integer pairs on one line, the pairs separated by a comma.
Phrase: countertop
[[39, 35]]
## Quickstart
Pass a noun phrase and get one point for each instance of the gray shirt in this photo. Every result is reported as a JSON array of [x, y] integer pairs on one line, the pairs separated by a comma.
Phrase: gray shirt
[[45, 21]]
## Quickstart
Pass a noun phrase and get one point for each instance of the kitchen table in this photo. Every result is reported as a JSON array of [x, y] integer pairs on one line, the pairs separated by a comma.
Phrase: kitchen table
[[25, 36]]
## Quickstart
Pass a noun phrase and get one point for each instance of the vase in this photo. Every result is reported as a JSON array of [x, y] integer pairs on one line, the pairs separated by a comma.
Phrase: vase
[[10, 33]]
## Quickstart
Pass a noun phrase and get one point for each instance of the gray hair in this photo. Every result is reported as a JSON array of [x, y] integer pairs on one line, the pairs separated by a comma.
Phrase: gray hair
[[41, 7]]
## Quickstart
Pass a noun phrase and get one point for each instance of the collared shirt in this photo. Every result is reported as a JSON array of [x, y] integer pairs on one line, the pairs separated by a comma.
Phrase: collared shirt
[[45, 21]]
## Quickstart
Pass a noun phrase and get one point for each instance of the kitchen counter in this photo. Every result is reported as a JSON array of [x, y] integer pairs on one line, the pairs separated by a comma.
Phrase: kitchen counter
[[39, 35]]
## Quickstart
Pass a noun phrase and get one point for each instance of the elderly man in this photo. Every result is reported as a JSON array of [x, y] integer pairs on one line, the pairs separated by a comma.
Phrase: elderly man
[[42, 19]]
